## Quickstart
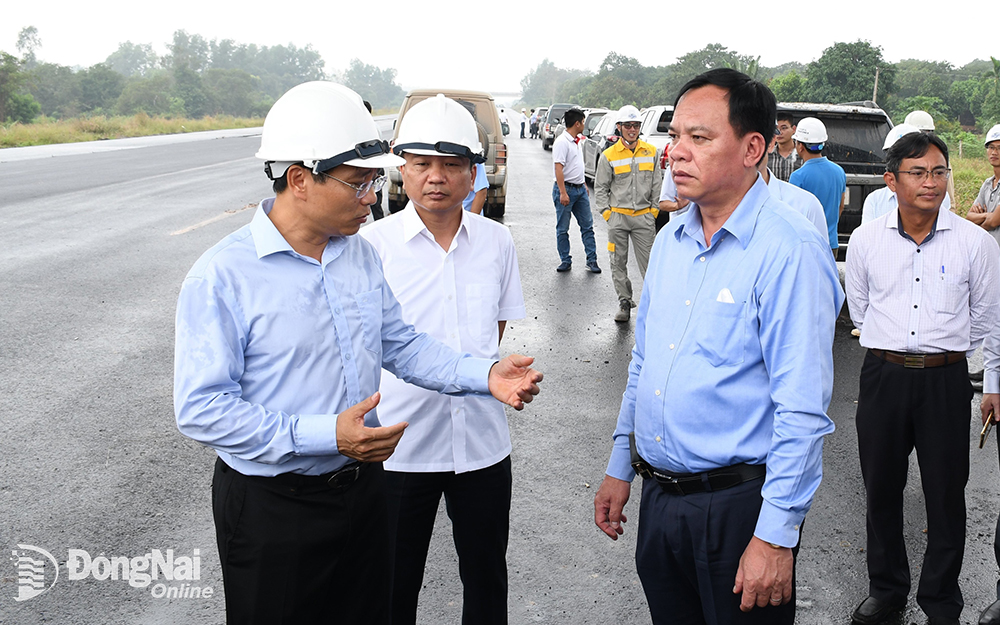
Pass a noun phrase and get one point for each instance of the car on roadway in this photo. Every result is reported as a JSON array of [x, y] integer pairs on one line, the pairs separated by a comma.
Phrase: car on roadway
[[553, 118], [856, 133], [654, 129], [484, 110], [603, 136]]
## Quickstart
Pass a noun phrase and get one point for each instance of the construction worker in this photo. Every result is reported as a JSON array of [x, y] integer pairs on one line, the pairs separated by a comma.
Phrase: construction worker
[[819, 176], [283, 328], [627, 190]]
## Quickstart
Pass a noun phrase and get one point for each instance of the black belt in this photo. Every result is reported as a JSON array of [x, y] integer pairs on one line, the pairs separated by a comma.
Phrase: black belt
[[573, 184], [918, 361], [689, 483], [340, 479]]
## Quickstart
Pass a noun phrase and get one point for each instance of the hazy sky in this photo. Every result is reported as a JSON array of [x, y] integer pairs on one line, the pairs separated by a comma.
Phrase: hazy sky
[[489, 45]]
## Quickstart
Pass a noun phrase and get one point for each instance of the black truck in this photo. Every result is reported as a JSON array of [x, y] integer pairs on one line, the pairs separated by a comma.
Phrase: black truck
[[856, 133]]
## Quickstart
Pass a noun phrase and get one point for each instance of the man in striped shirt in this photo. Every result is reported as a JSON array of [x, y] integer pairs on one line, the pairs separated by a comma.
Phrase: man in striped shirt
[[923, 288]]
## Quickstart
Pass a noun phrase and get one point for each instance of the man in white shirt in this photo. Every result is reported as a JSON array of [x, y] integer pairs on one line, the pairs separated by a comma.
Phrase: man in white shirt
[[922, 286], [799, 199], [456, 277], [569, 193]]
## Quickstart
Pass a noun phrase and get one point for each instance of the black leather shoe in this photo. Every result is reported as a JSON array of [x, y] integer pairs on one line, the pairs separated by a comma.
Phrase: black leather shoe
[[991, 615], [873, 611]]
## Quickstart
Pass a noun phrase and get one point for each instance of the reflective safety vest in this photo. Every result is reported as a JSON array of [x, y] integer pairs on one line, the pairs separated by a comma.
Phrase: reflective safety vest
[[628, 182]]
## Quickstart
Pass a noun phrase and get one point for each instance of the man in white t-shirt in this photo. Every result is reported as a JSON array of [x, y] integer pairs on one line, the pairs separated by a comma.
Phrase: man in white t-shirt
[[569, 193]]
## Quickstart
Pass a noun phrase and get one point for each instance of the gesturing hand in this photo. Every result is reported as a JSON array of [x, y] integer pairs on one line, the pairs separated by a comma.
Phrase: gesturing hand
[[513, 381], [355, 440]]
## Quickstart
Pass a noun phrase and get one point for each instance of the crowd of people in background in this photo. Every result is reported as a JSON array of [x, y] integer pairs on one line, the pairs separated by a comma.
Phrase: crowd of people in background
[[290, 330]]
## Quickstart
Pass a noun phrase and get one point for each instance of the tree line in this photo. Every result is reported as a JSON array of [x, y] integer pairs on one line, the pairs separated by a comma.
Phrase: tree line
[[966, 96], [195, 78]]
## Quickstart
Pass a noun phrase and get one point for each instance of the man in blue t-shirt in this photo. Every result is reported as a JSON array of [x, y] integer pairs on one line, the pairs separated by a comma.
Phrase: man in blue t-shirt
[[819, 176]]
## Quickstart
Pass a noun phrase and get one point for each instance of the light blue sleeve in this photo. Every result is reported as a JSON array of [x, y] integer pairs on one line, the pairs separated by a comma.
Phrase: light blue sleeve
[[208, 404], [799, 305], [482, 182]]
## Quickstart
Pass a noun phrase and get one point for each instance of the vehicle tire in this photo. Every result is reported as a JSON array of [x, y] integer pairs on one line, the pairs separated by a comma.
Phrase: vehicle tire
[[494, 211]]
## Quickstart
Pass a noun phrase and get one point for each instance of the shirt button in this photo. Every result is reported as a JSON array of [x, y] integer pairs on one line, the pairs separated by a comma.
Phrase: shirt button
[[657, 391], [918, 279], [687, 303], [671, 346], [338, 311], [449, 298], [347, 357], [702, 259], [912, 333], [914, 305], [795, 527], [918, 251], [657, 439]]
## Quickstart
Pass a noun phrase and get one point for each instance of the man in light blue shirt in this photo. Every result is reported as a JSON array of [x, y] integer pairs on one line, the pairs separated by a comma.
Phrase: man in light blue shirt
[[729, 384], [282, 330]]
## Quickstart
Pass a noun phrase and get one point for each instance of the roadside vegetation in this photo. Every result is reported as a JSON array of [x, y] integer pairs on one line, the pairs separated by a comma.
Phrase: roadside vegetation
[[47, 131]]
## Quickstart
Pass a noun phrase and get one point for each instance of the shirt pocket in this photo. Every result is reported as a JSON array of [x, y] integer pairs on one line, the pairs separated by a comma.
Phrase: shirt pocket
[[952, 295], [723, 333], [482, 303], [370, 306]]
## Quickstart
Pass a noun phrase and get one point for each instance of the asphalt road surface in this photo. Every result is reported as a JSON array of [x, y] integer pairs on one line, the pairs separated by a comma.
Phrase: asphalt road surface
[[93, 248]]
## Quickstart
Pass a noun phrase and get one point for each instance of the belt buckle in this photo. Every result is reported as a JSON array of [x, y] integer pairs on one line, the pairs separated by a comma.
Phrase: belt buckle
[[913, 361], [344, 477]]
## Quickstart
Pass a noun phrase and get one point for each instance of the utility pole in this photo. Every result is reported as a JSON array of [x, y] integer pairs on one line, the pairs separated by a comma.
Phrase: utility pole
[[875, 90]]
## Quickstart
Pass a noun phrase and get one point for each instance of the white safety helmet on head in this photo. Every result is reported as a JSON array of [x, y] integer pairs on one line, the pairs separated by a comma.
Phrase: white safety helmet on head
[[921, 119], [321, 125], [811, 132], [439, 126], [628, 113], [992, 135], [896, 132]]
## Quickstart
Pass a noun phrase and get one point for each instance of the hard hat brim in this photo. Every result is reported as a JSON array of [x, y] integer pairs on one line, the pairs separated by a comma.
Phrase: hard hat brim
[[376, 162]]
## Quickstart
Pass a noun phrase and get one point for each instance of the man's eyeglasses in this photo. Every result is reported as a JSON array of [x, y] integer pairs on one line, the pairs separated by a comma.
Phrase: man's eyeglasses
[[375, 184], [631, 125], [993, 148], [939, 174]]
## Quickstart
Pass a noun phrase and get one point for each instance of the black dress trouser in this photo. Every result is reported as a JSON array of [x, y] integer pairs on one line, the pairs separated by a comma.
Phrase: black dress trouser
[[303, 554], [478, 504], [688, 550], [900, 409]]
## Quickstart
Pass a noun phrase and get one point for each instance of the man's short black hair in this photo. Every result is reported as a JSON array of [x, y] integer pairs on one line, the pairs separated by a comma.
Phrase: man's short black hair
[[572, 116], [913, 145], [752, 106], [785, 116], [280, 184]]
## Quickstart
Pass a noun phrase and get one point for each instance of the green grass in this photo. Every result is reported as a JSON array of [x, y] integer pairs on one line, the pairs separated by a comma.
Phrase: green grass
[[969, 174], [46, 131]]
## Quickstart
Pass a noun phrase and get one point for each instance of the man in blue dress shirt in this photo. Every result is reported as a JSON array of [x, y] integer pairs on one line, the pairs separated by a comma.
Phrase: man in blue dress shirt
[[819, 175], [729, 383], [282, 331]]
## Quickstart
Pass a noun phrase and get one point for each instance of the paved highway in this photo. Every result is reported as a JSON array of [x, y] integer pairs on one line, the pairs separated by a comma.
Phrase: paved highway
[[93, 248]]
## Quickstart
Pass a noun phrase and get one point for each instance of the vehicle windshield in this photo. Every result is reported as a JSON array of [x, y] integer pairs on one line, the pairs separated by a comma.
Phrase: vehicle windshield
[[854, 142], [556, 113], [480, 110]]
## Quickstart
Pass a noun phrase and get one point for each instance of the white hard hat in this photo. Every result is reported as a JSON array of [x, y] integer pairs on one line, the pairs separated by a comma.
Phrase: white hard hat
[[810, 131], [921, 119], [896, 132], [992, 135], [321, 125], [439, 126], [628, 113]]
